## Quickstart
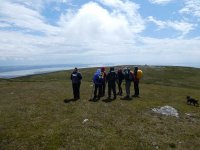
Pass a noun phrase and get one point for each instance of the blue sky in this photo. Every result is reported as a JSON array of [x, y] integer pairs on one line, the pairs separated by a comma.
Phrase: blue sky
[[155, 32]]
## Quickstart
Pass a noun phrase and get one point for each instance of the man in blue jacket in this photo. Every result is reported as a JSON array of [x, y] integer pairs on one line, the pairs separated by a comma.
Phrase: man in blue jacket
[[98, 80]]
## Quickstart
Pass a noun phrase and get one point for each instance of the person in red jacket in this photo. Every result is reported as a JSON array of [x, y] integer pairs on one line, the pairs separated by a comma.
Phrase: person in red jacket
[[103, 72]]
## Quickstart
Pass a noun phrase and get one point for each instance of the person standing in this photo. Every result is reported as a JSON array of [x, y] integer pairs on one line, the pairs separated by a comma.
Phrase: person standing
[[98, 82], [137, 77], [120, 76], [103, 72], [76, 78], [128, 76], [111, 79]]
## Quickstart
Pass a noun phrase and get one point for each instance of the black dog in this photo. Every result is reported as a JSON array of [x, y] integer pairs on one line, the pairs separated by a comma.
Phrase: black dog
[[192, 101]]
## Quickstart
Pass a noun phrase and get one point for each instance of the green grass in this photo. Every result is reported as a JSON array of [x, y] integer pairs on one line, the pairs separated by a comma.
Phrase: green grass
[[33, 114]]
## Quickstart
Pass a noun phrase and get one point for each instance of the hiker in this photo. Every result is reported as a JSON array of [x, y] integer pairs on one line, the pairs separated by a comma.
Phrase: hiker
[[128, 76], [98, 82], [137, 76], [76, 82], [120, 76], [111, 79], [104, 80]]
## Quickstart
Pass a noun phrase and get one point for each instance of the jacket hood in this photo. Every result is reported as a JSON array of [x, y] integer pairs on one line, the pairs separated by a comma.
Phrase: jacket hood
[[102, 69], [98, 71]]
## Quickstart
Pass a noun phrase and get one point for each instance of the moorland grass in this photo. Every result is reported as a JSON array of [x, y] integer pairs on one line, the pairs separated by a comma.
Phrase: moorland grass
[[36, 112]]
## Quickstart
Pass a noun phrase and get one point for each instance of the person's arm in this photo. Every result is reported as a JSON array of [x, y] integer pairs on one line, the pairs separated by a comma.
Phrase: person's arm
[[71, 77]]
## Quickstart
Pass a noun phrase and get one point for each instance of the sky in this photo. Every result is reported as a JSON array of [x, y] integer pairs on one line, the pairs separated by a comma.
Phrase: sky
[[152, 32]]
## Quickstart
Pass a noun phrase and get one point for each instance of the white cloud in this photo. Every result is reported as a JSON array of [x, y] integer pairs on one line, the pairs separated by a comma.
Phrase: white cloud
[[160, 1], [167, 51], [37, 5], [191, 7], [81, 31], [126, 9], [25, 18], [181, 26], [3, 25], [101, 25], [100, 31]]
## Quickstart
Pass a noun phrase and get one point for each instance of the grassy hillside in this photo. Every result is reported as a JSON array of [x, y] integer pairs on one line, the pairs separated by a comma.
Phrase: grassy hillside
[[33, 114]]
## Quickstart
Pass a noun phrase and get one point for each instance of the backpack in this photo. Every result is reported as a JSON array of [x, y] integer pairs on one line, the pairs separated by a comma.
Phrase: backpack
[[139, 74], [100, 77], [112, 76], [128, 76]]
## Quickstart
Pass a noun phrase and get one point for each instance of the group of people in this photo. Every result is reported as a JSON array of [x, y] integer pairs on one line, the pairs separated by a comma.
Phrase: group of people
[[101, 79]]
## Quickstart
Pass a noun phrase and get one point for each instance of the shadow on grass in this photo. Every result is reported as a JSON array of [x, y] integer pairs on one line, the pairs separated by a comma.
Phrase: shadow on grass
[[70, 100], [108, 100], [126, 99], [94, 100]]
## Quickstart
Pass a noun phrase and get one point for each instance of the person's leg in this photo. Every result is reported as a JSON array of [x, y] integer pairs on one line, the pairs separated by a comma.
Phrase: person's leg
[[114, 90], [118, 84], [100, 92], [138, 89], [78, 90], [95, 91], [109, 90], [74, 90], [120, 87], [128, 84], [136, 86], [103, 89]]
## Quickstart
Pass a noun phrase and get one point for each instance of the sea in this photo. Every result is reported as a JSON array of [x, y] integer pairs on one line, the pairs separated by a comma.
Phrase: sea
[[8, 72]]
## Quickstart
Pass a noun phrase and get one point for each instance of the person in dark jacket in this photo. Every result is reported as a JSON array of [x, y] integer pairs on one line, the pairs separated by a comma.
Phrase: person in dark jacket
[[98, 82], [136, 83], [76, 78], [128, 76], [111, 79], [120, 76], [104, 80]]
